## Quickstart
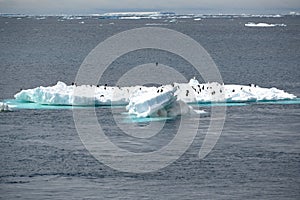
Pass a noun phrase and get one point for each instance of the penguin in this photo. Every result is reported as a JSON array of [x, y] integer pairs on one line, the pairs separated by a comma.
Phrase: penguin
[[161, 90], [187, 93], [156, 63], [101, 95], [203, 87], [97, 85], [233, 90]]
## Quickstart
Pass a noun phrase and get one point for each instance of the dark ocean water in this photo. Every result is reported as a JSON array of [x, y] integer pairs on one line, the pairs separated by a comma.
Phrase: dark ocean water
[[256, 157]]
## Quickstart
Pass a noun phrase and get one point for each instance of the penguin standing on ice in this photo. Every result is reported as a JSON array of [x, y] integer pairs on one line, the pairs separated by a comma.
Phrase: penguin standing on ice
[[187, 93], [194, 88], [156, 63]]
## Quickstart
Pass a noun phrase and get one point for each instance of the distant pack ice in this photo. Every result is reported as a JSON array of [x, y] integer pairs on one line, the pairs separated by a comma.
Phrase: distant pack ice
[[266, 25]]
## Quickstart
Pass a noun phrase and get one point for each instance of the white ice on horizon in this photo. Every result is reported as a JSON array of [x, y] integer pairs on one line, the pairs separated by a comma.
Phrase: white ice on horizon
[[265, 25], [192, 92]]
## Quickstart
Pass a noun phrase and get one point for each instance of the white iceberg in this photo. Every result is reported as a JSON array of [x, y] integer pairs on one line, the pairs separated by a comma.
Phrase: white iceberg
[[192, 92], [160, 103], [252, 24], [143, 103]]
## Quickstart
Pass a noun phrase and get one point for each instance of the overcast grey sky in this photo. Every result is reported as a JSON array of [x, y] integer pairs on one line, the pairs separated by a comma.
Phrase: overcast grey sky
[[100, 6]]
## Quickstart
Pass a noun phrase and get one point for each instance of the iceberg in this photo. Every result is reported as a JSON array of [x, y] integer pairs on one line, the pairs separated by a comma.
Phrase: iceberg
[[163, 103], [192, 92], [143, 103], [84, 95], [252, 24]]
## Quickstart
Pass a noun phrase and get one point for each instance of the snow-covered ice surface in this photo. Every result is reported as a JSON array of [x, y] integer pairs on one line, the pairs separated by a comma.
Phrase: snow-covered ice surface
[[192, 92], [266, 25], [160, 102]]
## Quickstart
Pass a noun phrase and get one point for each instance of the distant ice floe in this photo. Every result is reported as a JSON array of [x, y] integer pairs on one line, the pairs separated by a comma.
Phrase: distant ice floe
[[40, 18], [155, 24], [294, 13], [173, 21], [252, 24], [197, 19], [136, 15], [4, 107]]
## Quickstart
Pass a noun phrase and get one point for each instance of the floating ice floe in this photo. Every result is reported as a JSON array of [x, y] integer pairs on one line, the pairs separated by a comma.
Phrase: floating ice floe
[[252, 24], [4, 107], [155, 24], [192, 92]]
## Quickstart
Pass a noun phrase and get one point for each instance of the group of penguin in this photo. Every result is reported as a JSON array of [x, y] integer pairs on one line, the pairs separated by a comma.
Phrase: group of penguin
[[198, 89]]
